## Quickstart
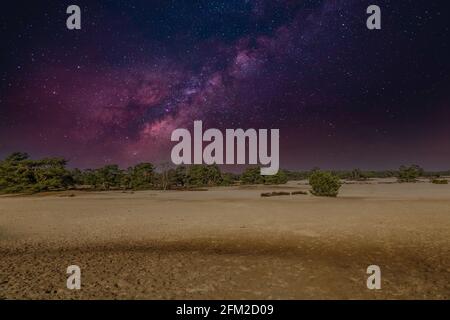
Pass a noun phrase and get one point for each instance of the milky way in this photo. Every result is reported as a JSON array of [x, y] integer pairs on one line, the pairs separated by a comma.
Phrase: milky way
[[342, 96]]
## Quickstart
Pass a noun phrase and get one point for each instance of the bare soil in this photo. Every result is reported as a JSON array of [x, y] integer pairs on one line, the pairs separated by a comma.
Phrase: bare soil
[[229, 243]]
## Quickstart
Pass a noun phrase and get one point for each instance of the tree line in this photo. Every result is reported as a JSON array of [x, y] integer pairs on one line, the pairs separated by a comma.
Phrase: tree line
[[20, 173], [403, 174]]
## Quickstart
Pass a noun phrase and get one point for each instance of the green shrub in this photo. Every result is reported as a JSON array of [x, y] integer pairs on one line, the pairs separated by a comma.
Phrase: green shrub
[[324, 184], [252, 175], [439, 181], [229, 179], [409, 174], [273, 194], [279, 178], [357, 175], [299, 192], [141, 176]]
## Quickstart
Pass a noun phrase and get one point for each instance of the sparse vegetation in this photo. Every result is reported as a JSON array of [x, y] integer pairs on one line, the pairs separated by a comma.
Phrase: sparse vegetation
[[299, 192], [279, 178], [409, 174], [253, 176], [274, 194], [439, 181], [282, 193], [324, 184], [358, 175]]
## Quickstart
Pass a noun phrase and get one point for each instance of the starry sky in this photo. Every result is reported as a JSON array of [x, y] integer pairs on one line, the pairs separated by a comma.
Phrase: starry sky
[[342, 96]]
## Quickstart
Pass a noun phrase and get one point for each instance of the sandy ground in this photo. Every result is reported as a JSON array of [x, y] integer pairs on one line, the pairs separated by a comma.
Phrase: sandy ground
[[229, 243]]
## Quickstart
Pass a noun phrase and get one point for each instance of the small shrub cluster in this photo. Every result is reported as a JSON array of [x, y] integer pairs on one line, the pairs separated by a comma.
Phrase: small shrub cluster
[[283, 193], [274, 194], [439, 181], [253, 176], [357, 175], [299, 192]]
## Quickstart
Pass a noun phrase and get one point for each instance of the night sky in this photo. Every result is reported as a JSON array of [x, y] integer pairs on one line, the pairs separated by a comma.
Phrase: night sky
[[342, 96]]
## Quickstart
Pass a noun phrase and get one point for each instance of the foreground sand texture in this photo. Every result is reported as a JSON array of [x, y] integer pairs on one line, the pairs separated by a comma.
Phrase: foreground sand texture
[[229, 243]]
